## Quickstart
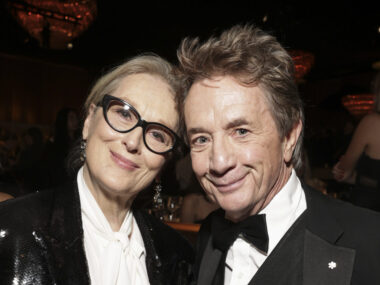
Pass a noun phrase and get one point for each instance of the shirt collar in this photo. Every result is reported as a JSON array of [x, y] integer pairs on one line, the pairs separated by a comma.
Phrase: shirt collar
[[284, 209], [95, 216]]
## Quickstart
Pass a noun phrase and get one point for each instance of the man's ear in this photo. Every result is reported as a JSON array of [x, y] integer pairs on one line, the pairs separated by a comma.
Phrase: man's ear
[[87, 122], [290, 141]]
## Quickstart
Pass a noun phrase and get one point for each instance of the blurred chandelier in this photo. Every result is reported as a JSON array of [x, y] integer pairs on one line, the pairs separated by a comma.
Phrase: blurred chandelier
[[358, 104], [303, 61], [54, 23]]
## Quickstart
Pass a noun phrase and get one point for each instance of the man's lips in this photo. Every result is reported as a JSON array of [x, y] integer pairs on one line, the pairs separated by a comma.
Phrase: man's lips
[[227, 186], [123, 162]]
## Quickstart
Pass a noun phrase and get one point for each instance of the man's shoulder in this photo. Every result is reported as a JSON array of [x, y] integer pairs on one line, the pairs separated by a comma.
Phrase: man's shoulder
[[351, 218], [357, 229]]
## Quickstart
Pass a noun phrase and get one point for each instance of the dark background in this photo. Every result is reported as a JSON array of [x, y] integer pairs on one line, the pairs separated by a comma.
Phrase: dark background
[[344, 37]]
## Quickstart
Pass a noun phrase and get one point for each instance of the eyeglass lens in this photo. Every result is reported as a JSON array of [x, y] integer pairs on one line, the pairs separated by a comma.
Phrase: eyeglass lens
[[123, 118]]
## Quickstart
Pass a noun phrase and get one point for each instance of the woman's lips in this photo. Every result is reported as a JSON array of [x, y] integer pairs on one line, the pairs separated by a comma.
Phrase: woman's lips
[[123, 162], [230, 185]]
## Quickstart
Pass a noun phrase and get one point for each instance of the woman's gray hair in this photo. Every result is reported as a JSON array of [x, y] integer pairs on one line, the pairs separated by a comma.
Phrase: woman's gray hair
[[148, 63]]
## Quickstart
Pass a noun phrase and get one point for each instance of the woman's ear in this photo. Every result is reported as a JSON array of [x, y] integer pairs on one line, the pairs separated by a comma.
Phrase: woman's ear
[[88, 121], [290, 141]]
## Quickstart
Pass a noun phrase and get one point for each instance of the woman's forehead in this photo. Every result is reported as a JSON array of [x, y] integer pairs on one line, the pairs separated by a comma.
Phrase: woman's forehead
[[151, 96]]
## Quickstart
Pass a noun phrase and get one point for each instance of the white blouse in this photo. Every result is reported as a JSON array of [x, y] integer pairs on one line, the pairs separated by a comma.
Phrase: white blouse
[[113, 257]]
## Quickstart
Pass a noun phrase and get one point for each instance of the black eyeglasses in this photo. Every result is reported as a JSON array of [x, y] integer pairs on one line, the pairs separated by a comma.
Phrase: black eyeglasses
[[123, 118]]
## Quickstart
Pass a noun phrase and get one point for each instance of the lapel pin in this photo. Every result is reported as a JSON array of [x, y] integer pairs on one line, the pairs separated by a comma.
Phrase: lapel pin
[[332, 265]]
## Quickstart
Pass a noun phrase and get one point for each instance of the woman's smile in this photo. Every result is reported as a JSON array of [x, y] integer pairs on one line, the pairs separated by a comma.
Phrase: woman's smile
[[123, 162]]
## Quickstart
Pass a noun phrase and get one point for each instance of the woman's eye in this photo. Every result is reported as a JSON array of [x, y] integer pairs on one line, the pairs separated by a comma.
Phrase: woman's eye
[[126, 114], [158, 136]]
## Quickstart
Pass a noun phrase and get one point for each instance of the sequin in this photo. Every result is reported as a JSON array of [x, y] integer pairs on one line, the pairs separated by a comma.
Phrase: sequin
[[3, 233]]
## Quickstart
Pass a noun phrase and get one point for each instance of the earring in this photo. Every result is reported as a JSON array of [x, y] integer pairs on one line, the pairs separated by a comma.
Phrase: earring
[[83, 145], [157, 198]]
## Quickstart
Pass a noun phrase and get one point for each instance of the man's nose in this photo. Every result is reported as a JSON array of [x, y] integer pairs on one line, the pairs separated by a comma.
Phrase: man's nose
[[221, 156]]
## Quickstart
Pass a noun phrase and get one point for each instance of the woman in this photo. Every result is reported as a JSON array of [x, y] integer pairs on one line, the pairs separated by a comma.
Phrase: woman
[[88, 232], [361, 162]]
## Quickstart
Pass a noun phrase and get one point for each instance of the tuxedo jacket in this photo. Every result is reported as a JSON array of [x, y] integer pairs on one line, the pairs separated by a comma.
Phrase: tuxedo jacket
[[41, 242], [332, 243]]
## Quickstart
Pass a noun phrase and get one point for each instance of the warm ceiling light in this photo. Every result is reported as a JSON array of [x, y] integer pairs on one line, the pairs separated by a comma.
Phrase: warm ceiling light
[[358, 104], [54, 23], [303, 61]]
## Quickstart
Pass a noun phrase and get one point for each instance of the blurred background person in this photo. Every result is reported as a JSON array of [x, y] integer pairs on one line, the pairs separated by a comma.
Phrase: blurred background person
[[89, 229], [66, 133], [5, 196], [361, 162], [28, 169], [196, 206]]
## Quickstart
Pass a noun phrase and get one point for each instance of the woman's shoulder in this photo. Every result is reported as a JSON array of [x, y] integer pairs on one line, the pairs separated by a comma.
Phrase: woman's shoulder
[[367, 127], [25, 211], [370, 119]]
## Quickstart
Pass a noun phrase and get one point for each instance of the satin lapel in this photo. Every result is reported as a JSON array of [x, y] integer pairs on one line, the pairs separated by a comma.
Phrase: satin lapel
[[324, 261], [209, 264], [62, 241]]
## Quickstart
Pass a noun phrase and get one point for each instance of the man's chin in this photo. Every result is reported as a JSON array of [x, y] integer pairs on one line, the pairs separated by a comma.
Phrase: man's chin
[[236, 213]]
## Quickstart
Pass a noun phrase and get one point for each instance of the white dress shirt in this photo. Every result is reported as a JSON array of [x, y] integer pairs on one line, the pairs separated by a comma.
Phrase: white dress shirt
[[113, 257], [243, 259]]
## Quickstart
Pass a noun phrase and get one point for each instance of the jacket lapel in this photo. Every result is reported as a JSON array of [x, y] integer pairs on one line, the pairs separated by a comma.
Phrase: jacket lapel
[[207, 257], [209, 264], [62, 239], [324, 261]]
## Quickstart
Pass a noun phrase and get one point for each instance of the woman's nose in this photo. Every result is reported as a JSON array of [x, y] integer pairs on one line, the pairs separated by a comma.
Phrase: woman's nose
[[221, 157], [133, 140]]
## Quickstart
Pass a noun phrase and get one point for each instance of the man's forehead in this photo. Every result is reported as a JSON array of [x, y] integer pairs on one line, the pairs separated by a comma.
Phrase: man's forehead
[[224, 93], [217, 81]]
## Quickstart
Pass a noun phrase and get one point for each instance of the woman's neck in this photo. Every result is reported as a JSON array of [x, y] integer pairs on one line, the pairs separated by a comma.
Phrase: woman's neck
[[114, 207]]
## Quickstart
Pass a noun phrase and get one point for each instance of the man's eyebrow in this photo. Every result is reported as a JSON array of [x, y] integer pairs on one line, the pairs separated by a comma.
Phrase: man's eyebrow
[[236, 123], [195, 131]]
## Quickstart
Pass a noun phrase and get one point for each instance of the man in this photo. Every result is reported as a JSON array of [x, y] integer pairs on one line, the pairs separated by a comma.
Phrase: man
[[244, 124]]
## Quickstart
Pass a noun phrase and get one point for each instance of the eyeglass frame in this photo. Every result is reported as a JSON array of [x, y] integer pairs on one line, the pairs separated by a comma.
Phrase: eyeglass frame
[[104, 103]]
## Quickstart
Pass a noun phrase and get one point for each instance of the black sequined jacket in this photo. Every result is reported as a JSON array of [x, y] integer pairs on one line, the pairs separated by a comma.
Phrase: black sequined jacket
[[41, 242]]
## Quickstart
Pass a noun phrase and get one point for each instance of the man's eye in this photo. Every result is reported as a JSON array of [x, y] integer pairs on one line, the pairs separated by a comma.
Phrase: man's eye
[[241, 132], [199, 140]]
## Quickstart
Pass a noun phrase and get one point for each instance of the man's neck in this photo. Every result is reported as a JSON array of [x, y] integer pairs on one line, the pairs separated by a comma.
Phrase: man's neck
[[281, 181]]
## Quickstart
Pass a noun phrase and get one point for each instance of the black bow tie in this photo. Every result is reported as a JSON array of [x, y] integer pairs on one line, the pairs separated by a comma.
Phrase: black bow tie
[[224, 232]]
